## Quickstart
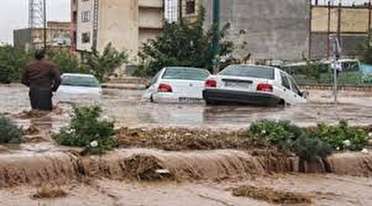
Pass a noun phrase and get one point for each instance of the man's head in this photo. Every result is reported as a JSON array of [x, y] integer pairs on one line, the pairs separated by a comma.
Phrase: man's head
[[39, 54]]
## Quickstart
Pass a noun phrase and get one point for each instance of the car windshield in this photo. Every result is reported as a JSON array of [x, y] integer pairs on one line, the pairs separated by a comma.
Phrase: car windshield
[[80, 81], [185, 73], [249, 71], [367, 69]]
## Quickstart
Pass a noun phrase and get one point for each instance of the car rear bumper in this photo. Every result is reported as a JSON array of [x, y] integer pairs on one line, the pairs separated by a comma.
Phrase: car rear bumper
[[172, 98], [220, 96]]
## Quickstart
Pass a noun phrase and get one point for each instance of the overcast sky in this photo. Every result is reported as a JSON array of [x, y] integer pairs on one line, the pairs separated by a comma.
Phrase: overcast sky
[[13, 14]]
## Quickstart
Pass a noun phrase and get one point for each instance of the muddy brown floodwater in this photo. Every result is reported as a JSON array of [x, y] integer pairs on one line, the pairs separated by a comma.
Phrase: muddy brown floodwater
[[127, 108], [191, 177], [327, 190]]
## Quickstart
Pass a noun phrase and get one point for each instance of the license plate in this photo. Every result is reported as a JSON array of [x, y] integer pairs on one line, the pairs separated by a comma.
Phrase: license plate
[[237, 84], [189, 100]]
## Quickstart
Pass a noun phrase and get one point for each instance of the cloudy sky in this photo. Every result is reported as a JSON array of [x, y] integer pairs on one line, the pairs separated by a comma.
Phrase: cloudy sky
[[13, 14]]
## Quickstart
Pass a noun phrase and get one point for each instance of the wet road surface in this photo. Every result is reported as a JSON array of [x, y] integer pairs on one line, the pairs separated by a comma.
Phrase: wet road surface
[[128, 109]]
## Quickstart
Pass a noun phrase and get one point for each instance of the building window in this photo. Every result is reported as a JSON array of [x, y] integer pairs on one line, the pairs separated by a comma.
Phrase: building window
[[85, 37], [190, 7], [85, 16]]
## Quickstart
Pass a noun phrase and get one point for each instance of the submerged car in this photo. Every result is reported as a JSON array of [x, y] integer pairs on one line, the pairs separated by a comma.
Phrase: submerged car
[[177, 85], [252, 85], [79, 87]]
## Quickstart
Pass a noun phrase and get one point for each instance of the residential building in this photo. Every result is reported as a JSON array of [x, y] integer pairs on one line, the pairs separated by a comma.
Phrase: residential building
[[58, 35], [124, 23]]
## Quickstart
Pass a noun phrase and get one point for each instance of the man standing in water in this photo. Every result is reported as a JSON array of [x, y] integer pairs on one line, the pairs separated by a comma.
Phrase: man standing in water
[[43, 78]]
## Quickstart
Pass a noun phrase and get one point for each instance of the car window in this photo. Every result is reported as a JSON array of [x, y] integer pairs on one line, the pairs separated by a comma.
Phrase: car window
[[249, 71], [285, 81], [184, 73], [295, 87], [82, 81], [155, 78]]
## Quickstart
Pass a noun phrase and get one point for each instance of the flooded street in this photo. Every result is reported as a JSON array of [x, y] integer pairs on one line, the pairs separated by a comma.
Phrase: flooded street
[[127, 108], [199, 173]]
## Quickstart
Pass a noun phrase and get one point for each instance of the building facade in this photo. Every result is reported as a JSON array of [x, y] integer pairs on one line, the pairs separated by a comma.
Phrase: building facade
[[124, 23], [58, 35], [289, 30], [352, 24], [263, 29]]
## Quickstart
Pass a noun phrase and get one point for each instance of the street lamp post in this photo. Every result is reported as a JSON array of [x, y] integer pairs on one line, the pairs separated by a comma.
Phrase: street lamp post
[[45, 24], [216, 35]]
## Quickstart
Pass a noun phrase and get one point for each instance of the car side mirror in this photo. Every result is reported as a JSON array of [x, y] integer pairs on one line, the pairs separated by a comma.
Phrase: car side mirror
[[305, 94]]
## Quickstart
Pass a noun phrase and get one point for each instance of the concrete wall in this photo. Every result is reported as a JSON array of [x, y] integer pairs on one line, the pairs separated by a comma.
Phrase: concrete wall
[[353, 27], [353, 20], [268, 29], [118, 24]]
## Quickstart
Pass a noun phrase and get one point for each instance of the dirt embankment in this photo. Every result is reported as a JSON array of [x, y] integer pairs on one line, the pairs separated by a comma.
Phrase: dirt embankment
[[150, 165], [135, 164]]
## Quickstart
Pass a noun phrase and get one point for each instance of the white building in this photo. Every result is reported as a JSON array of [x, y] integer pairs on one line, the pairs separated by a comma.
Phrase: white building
[[124, 23]]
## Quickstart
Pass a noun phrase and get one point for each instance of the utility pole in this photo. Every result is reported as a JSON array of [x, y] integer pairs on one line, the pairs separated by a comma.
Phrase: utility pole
[[310, 28], [216, 35], [339, 22], [369, 23], [329, 30], [180, 11], [336, 65], [45, 24]]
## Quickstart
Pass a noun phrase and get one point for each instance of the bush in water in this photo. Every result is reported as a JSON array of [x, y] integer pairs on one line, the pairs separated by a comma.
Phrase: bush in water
[[341, 136], [88, 130], [9, 132], [290, 137]]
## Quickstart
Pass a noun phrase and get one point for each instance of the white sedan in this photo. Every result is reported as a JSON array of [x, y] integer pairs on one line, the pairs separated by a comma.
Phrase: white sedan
[[253, 85], [79, 87], [177, 85]]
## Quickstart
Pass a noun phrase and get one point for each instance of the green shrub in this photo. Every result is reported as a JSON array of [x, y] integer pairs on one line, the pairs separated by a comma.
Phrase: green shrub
[[88, 130], [289, 137], [341, 136], [12, 63], [281, 133], [311, 149], [9, 132]]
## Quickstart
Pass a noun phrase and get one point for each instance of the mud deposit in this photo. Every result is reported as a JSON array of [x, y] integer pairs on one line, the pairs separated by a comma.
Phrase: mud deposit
[[176, 139], [272, 196]]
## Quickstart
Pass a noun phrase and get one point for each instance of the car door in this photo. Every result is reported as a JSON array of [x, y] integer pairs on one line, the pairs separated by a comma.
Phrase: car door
[[296, 92], [153, 85], [286, 90]]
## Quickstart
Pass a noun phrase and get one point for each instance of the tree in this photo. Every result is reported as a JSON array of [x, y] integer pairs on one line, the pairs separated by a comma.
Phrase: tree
[[181, 45], [366, 56], [102, 65], [66, 61], [12, 62]]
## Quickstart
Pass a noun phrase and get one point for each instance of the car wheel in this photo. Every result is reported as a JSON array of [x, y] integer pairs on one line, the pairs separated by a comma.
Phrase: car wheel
[[151, 99], [282, 103]]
